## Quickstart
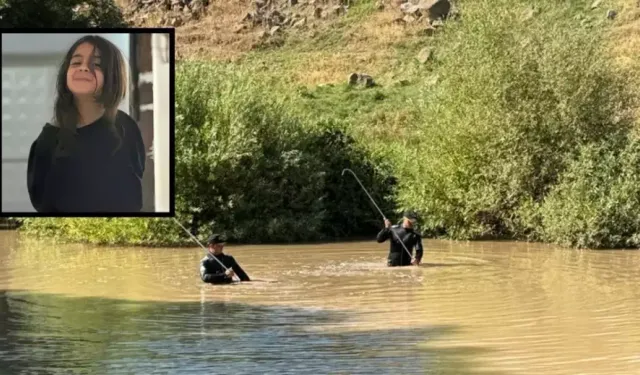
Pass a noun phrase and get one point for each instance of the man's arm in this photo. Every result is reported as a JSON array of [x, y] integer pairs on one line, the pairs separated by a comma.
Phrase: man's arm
[[211, 277], [419, 249], [385, 233], [239, 271]]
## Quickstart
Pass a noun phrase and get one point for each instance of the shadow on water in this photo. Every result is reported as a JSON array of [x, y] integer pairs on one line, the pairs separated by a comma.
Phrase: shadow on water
[[54, 334]]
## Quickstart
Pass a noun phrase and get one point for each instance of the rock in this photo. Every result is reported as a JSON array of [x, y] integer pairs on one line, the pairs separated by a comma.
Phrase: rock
[[409, 8], [197, 6], [361, 78], [354, 78], [611, 14], [409, 19], [367, 80], [596, 4], [425, 55], [317, 12], [435, 9], [436, 23]]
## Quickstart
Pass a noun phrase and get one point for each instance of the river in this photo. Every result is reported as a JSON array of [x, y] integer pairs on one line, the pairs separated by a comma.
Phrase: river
[[470, 308]]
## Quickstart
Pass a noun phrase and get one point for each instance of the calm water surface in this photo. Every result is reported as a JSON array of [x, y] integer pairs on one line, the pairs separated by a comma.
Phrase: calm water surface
[[472, 308]]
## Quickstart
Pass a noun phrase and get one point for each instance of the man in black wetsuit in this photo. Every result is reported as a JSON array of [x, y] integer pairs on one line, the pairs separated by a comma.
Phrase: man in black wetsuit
[[211, 271], [398, 256]]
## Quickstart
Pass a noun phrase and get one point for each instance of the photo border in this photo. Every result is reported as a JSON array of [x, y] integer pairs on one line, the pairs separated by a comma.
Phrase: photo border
[[172, 124]]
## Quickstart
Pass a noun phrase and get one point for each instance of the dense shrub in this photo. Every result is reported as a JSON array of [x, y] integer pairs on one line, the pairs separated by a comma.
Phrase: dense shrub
[[518, 98], [597, 202], [249, 167]]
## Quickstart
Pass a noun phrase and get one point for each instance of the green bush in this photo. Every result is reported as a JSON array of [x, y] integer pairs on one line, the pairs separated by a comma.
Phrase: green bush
[[107, 231], [248, 167], [597, 202], [518, 97]]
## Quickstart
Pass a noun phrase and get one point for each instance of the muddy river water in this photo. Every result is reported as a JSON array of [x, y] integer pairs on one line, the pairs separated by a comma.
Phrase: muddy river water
[[470, 308]]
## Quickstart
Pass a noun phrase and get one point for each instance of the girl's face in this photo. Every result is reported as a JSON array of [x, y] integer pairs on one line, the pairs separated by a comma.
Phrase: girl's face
[[84, 76]]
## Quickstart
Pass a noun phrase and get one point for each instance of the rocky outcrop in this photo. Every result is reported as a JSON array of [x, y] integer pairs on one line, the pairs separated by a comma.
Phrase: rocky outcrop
[[170, 12], [431, 13], [290, 14], [428, 9], [361, 79]]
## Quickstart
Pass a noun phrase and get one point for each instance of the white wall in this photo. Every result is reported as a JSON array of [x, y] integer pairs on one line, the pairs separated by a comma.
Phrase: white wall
[[161, 121], [30, 63]]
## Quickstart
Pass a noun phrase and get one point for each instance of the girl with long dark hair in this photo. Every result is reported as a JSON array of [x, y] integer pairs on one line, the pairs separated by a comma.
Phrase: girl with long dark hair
[[91, 158]]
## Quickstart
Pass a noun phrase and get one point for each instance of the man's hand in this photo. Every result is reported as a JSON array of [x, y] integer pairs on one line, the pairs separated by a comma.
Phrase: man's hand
[[230, 273], [415, 262], [387, 223]]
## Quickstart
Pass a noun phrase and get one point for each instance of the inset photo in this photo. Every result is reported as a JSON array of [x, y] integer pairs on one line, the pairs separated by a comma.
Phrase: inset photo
[[87, 123]]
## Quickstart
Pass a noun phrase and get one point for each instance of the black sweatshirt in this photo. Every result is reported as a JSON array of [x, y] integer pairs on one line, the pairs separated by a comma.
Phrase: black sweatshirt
[[92, 178], [212, 272], [397, 254]]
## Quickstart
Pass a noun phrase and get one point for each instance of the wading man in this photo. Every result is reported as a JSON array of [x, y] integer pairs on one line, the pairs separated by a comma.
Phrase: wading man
[[398, 255], [211, 271]]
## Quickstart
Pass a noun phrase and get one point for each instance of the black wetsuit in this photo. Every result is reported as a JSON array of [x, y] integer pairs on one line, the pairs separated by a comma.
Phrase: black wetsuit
[[92, 178], [397, 254], [212, 272]]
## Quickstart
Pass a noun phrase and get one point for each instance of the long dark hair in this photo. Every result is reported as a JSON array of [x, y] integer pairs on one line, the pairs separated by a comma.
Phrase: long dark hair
[[113, 92]]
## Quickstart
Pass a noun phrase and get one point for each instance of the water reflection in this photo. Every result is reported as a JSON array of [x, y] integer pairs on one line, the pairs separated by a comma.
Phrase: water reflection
[[46, 333]]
